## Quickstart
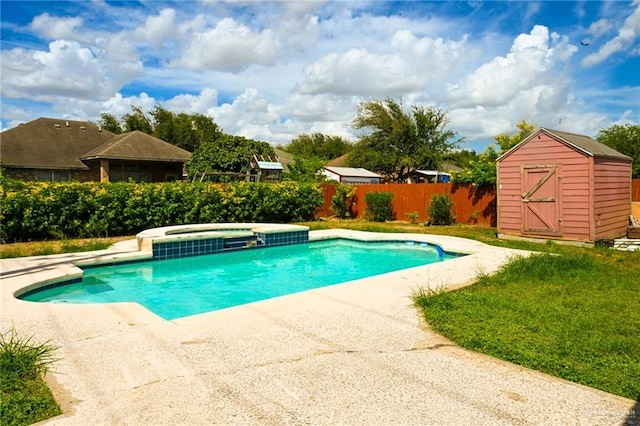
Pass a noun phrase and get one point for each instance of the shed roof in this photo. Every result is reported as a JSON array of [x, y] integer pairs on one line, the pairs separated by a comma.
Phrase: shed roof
[[581, 143], [352, 172], [269, 165], [50, 143], [138, 146]]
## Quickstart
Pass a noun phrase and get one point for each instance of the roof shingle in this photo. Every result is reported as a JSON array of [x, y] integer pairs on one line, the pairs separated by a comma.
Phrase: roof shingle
[[50, 143], [47, 143]]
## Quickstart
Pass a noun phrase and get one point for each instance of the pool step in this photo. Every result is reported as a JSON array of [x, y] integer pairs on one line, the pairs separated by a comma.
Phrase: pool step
[[235, 243]]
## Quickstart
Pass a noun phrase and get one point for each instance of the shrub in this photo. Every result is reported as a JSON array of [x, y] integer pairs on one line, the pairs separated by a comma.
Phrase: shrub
[[379, 206], [40, 210], [439, 210], [342, 201], [25, 398], [412, 216]]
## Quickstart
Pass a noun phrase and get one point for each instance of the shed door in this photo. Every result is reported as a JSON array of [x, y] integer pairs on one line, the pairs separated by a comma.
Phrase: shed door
[[541, 200]]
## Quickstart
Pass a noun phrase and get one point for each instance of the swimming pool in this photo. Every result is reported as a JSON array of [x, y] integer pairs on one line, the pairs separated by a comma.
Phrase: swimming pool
[[175, 288]]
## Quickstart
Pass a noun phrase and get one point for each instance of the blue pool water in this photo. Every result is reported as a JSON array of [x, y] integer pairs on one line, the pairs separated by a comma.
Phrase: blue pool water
[[191, 285]]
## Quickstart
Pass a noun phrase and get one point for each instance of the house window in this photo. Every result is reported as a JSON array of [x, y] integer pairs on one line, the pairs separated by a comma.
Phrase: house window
[[122, 172], [53, 175]]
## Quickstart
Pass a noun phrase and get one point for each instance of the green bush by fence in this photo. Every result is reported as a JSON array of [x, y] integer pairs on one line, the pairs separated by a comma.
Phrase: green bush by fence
[[439, 210], [379, 206], [31, 211]]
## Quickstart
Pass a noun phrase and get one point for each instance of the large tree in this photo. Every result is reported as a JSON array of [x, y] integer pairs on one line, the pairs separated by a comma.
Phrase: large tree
[[318, 145], [137, 120], [188, 131], [110, 122], [626, 140], [397, 142], [227, 154]]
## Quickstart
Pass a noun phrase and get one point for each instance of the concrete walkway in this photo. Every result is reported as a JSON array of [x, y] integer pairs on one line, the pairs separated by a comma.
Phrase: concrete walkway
[[351, 354]]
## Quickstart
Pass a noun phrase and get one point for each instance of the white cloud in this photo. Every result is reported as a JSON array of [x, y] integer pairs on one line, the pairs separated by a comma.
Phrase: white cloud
[[600, 27], [67, 70], [249, 115], [200, 104], [407, 63], [230, 46], [157, 29], [535, 59], [51, 27], [529, 82], [625, 38]]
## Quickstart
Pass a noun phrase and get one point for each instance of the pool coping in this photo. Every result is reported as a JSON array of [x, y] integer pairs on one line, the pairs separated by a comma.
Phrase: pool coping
[[262, 363]]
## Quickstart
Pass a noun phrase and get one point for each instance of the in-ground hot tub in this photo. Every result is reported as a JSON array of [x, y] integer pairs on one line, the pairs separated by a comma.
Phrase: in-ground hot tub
[[171, 242]]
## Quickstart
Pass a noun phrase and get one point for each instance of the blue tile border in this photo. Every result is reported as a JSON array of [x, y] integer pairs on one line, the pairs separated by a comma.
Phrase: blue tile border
[[199, 247]]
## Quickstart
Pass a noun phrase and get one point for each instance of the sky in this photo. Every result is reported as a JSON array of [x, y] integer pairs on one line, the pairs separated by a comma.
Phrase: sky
[[271, 70]]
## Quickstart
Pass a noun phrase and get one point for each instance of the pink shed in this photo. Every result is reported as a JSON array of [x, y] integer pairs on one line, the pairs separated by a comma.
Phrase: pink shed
[[563, 186]]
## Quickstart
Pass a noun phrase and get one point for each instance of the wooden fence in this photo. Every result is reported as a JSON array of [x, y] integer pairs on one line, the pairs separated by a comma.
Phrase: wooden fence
[[471, 205]]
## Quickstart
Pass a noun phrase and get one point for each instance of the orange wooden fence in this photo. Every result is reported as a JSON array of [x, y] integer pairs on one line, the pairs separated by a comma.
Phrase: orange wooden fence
[[471, 205]]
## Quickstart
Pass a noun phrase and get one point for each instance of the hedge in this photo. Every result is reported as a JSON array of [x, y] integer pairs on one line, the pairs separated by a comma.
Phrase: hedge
[[32, 211]]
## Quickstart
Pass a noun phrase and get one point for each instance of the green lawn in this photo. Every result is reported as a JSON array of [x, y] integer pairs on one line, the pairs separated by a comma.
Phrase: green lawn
[[575, 316]]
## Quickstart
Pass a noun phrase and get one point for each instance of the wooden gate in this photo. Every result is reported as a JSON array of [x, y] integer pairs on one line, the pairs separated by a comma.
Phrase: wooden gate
[[541, 200]]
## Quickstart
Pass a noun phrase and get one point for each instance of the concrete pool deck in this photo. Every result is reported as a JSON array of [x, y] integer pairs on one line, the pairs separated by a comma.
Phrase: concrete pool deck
[[356, 353]]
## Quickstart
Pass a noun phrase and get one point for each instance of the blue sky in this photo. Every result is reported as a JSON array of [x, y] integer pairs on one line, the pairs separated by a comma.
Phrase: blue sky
[[272, 70]]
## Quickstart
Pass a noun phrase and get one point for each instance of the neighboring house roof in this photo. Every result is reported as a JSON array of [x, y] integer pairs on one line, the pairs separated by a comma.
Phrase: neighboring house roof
[[138, 146], [47, 143], [450, 167], [581, 143], [284, 157], [352, 172], [339, 161], [50, 143]]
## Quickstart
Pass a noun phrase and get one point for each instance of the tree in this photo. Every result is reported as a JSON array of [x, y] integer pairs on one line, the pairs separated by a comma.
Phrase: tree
[[400, 142], [482, 170], [626, 140], [306, 169], [506, 141], [227, 154], [187, 131], [110, 122], [461, 158], [137, 120], [318, 145]]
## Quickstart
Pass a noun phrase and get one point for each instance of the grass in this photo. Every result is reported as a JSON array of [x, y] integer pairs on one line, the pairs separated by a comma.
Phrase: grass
[[26, 399], [574, 316], [56, 247]]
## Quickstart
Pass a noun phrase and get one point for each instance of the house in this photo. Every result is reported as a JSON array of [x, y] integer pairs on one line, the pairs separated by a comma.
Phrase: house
[[351, 175], [61, 150], [433, 176], [563, 186]]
